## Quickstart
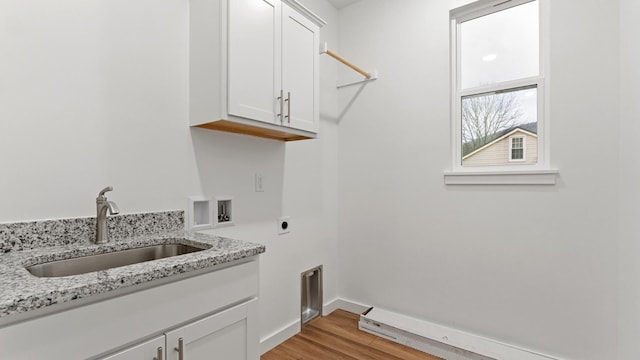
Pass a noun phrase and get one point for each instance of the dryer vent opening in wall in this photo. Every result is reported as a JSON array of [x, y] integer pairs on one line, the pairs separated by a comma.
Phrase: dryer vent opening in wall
[[311, 294]]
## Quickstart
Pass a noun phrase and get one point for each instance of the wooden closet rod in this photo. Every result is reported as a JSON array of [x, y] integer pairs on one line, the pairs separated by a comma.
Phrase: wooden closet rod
[[345, 61]]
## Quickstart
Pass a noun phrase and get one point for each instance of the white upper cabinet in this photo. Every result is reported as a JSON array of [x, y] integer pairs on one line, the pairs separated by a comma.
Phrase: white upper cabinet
[[300, 44], [252, 55], [254, 68]]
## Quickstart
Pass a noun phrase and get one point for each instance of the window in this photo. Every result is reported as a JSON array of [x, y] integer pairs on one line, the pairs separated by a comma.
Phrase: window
[[498, 68], [516, 148]]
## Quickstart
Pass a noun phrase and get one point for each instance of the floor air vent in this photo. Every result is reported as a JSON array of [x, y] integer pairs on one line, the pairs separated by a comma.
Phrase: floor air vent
[[311, 294]]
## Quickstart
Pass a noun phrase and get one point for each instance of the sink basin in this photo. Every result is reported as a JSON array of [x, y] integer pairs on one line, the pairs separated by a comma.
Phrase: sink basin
[[91, 263]]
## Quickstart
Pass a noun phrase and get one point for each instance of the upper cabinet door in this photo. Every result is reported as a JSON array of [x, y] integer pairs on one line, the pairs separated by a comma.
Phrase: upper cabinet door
[[253, 39], [300, 51]]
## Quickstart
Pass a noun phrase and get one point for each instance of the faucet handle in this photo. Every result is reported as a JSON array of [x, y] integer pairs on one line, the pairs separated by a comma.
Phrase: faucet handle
[[103, 191]]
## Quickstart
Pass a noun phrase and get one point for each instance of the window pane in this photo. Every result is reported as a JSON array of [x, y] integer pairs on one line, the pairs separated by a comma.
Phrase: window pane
[[490, 120], [499, 47], [516, 143], [517, 154]]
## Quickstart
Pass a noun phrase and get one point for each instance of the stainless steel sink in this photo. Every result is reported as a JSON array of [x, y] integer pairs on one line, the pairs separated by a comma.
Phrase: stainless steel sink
[[91, 263]]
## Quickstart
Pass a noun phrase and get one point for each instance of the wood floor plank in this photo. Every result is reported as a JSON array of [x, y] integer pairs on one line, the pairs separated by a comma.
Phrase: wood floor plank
[[345, 331], [345, 316], [403, 352], [279, 353], [345, 346], [308, 350], [337, 337]]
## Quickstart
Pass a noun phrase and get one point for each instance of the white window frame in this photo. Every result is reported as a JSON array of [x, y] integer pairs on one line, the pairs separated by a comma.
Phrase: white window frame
[[539, 173], [524, 148]]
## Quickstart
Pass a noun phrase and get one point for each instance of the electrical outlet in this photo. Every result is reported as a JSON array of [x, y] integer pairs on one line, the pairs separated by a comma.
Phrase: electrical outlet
[[259, 183], [284, 225]]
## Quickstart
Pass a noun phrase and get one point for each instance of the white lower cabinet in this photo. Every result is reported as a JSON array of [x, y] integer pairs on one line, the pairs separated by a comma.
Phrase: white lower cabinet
[[227, 335], [215, 313], [153, 349]]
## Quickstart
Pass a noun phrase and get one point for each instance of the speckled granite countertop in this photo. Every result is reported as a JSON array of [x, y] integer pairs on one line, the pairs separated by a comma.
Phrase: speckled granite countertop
[[22, 292]]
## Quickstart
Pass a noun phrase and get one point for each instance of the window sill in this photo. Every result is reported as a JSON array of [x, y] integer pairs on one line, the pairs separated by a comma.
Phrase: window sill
[[532, 177]]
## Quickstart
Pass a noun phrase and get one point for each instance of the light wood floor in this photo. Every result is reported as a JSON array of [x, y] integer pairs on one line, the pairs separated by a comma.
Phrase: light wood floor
[[336, 336]]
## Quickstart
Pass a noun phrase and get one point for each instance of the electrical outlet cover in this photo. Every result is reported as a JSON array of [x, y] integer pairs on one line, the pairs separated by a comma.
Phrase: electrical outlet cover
[[259, 183], [284, 225]]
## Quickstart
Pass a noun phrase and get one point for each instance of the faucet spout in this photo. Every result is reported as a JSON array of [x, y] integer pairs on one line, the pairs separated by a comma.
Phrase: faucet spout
[[103, 209], [113, 208]]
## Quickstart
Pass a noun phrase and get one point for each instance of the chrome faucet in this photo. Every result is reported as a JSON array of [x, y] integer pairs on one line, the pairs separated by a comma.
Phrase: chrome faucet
[[102, 206]]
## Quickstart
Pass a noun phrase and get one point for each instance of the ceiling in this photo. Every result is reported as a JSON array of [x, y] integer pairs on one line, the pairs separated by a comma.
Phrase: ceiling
[[339, 4]]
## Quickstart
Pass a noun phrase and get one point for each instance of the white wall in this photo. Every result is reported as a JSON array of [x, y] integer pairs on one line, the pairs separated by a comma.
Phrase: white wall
[[534, 266], [629, 250], [308, 178], [95, 93]]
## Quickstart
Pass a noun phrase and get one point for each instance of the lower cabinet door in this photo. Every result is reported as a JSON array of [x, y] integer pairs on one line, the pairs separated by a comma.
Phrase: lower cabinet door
[[231, 334], [153, 349]]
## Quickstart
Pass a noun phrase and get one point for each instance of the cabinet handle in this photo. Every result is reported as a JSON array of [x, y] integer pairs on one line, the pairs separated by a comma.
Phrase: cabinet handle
[[159, 356], [281, 99], [288, 107], [180, 349]]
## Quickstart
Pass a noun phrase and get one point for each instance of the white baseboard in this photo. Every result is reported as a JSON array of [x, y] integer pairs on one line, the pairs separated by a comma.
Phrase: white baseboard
[[343, 304], [440, 340], [279, 337]]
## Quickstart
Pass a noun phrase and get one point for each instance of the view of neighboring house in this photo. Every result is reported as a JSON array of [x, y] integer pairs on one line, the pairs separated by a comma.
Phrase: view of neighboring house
[[516, 145]]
